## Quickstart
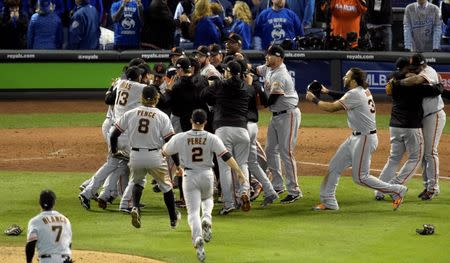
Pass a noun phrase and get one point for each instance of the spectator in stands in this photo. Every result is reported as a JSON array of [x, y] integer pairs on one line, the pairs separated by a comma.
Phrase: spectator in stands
[[445, 13], [13, 26], [379, 23], [98, 4], [183, 15], [84, 31], [226, 6], [127, 16], [422, 27], [276, 24], [159, 26], [346, 18], [219, 20], [242, 23], [45, 28], [203, 30], [304, 10]]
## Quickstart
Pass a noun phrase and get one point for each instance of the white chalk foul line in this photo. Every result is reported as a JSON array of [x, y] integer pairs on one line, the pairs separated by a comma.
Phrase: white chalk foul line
[[373, 170]]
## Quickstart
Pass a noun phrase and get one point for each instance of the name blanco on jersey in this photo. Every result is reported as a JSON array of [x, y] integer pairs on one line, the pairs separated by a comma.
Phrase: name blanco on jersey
[[54, 219]]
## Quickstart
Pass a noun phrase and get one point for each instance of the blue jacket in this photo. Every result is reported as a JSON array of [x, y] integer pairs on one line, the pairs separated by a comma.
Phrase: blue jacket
[[45, 32], [98, 4], [84, 31], [275, 26], [245, 31], [127, 31], [304, 9], [206, 32]]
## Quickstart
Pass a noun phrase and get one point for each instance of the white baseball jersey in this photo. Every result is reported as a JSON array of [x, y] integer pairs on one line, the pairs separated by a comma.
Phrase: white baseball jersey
[[147, 127], [279, 81], [195, 148], [210, 71], [431, 104], [53, 233], [360, 107], [128, 96]]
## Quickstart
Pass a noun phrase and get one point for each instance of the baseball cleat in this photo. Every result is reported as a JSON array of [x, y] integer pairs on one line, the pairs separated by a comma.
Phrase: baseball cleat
[[290, 199], [256, 192], [174, 223], [279, 192], [180, 203], [226, 211], [200, 249], [379, 196], [86, 203], [269, 200], [399, 200], [126, 210], [156, 188], [245, 203], [422, 193], [110, 200], [428, 195], [322, 207], [135, 217], [102, 203], [207, 232]]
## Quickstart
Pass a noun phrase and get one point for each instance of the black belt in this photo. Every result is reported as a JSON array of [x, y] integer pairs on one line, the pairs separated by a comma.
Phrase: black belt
[[146, 149], [280, 112], [187, 168], [49, 256], [359, 133]]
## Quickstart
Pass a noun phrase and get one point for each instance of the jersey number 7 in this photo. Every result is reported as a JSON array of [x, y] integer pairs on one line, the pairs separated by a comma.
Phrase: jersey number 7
[[58, 235]]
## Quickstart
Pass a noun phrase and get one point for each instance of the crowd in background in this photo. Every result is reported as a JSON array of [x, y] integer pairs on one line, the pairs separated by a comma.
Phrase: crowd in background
[[163, 24]]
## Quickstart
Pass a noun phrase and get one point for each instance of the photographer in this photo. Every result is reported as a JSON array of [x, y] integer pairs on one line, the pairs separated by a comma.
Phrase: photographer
[[379, 24]]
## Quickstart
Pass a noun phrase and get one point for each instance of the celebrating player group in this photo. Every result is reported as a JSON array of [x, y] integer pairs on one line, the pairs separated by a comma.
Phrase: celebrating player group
[[193, 126]]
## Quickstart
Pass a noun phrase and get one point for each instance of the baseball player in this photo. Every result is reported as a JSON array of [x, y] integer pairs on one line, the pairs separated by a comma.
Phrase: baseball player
[[50, 231], [202, 54], [148, 128], [405, 126], [196, 148], [433, 122], [230, 100], [356, 151], [283, 127]]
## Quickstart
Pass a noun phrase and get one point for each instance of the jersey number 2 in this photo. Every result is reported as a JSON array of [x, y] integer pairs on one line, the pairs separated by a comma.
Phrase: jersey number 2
[[58, 235], [197, 154]]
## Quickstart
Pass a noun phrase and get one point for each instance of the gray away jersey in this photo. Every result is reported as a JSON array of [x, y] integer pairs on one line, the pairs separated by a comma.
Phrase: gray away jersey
[[53, 233], [360, 107], [431, 104], [147, 127], [128, 96], [279, 81], [195, 148]]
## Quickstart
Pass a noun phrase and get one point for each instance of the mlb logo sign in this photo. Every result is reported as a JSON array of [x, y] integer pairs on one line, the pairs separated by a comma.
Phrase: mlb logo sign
[[445, 79], [377, 80]]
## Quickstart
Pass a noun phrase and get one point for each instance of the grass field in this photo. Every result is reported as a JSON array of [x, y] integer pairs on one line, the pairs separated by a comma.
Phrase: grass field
[[363, 230]]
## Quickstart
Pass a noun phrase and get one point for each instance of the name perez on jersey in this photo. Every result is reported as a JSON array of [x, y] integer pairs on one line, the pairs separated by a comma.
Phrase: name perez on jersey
[[196, 141], [54, 219]]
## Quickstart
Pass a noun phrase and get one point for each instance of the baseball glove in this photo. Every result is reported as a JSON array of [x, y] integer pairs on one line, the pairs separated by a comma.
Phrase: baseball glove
[[13, 230], [121, 155], [315, 87], [428, 229]]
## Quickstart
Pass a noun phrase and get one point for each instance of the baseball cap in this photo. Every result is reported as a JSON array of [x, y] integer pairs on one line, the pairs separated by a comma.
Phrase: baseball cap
[[215, 49], [276, 50], [144, 68], [135, 62], [149, 92], [47, 199], [401, 63], [234, 37], [183, 63], [233, 67], [171, 72], [159, 70], [203, 50], [133, 73], [417, 60], [198, 116], [176, 51]]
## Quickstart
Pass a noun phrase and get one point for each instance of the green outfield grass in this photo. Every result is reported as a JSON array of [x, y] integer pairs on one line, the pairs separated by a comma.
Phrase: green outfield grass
[[364, 230], [41, 120]]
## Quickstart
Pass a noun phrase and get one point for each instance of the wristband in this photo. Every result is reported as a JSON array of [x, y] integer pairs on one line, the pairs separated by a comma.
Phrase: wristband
[[315, 100]]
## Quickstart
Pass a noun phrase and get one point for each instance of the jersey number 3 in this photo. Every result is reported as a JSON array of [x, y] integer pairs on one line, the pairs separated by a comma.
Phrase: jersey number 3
[[197, 154], [371, 105]]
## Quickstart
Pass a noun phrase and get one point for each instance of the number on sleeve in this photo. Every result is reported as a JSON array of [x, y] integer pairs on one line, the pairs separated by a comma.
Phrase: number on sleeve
[[197, 154], [371, 105], [143, 125], [58, 235]]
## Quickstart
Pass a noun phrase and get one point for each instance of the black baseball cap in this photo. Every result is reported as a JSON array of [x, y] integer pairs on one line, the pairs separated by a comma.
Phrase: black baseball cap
[[135, 62], [276, 50], [233, 67], [198, 116], [47, 199], [159, 70], [215, 49], [145, 68], [176, 51], [133, 72], [203, 50], [234, 37], [183, 63], [401, 63], [417, 60], [171, 72], [149, 92]]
